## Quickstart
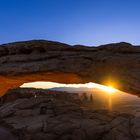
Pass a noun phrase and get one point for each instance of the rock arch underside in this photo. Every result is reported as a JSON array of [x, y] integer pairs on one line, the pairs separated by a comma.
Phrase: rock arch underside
[[40, 60]]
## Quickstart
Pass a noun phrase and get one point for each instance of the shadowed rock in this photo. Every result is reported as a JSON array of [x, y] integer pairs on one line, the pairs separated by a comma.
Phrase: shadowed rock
[[66, 120]]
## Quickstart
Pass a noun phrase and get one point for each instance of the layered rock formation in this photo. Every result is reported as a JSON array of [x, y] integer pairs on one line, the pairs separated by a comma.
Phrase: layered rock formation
[[39, 60]]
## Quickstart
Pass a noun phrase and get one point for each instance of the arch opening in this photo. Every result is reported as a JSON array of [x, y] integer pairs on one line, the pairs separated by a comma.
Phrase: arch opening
[[97, 96]]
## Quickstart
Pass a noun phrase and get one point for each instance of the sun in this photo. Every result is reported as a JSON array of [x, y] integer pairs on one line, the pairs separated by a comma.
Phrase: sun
[[108, 89]]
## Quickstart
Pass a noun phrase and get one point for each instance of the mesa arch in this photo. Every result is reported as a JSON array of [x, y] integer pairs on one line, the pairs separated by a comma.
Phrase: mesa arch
[[40, 60]]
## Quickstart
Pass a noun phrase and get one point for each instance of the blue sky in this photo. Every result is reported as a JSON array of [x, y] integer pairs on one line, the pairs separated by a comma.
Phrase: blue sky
[[88, 22]]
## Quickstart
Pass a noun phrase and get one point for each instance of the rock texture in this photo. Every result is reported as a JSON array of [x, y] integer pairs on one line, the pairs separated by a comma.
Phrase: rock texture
[[48, 117], [39, 60], [21, 93], [6, 135]]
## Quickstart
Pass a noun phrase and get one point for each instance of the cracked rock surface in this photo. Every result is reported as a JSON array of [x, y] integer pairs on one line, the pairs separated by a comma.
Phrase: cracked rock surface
[[55, 117]]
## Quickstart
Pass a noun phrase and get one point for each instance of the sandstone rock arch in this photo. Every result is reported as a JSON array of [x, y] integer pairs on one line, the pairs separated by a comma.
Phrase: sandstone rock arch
[[40, 60]]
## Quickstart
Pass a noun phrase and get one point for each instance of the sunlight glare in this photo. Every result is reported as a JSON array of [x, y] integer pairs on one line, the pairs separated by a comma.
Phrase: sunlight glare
[[45, 85], [109, 89]]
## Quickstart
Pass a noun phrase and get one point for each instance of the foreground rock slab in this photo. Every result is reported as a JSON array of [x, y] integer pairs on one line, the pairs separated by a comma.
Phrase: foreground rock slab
[[53, 118], [6, 135]]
